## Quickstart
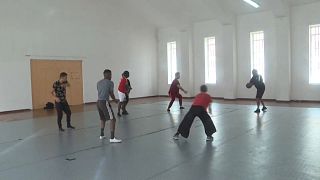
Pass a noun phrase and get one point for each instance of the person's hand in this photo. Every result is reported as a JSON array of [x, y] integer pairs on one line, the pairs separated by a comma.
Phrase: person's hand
[[57, 100]]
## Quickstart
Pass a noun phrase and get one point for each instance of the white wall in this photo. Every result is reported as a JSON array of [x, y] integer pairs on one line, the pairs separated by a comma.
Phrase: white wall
[[101, 33], [286, 54], [201, 31], [190, 55], [302, 17], [232, 51], [246, 24], [182, 37]]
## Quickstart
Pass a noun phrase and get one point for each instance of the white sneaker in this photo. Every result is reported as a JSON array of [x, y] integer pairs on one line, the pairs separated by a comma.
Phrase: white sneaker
[[209, 138], [114, 140], [102, 137], [175, 137]]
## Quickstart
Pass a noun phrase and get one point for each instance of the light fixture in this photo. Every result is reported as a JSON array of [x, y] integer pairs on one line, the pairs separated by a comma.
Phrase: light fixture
[[252, 3]]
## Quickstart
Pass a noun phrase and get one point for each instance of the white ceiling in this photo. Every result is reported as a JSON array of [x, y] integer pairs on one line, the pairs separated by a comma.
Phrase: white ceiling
[[164, 13]]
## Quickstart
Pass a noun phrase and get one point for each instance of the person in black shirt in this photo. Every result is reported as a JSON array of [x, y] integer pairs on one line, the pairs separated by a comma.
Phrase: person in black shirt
[[61, 103], [129, 88], [257, 81]]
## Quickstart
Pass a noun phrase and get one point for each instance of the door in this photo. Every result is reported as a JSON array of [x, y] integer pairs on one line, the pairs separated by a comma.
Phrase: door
[[45, 72]]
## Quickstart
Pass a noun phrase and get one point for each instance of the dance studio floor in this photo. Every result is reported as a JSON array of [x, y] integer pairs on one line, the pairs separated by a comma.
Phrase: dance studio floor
[[283, 143]]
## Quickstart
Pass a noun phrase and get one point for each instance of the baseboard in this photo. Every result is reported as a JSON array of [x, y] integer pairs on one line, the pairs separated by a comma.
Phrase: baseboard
[[135, 98], [166, 96], [253, 99], [15, 111]]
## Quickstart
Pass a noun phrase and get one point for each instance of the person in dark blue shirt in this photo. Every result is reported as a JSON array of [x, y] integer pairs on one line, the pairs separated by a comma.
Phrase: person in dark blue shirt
[[257, 81]]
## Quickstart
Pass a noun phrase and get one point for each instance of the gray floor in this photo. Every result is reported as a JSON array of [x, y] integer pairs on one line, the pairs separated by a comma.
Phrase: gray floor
[[283, 143]]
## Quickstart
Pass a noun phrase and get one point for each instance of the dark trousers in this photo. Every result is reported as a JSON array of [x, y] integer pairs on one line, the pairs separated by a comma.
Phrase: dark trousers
[[173, 98], [127, 98], [196, 111], [63, 107]]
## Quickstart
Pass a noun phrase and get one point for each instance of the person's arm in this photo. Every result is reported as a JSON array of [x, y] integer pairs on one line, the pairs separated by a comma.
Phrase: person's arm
[[67, 84], [113, 97], [210, 108], [112, 94], [180, 87], [128, 86], [53, 92], [253, 80]]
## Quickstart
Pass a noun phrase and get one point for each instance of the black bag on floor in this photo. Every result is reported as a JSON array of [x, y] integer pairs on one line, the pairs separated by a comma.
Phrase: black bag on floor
[[49, 105]]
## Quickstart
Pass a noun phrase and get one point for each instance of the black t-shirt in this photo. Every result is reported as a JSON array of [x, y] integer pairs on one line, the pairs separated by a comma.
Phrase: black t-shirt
[[257, 81], [128, 86], [60, 90]]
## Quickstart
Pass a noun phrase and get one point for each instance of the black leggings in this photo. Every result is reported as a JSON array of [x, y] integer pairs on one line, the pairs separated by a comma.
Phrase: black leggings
[[196, 111], [63, 107]]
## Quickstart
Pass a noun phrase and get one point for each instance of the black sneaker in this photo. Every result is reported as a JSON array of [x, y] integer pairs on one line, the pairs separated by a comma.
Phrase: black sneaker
[[61, 129], [119, 114], [257, 111], [181, 107], [264, 109], [70, 127], [125, 113]]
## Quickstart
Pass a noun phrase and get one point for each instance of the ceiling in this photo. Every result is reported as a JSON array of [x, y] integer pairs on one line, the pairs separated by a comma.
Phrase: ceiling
[[164, 13]]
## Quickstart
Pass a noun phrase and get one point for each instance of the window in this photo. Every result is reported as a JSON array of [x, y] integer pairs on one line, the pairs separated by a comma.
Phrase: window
[[257, 51], [210, 60], [172, 60], [314, 54]]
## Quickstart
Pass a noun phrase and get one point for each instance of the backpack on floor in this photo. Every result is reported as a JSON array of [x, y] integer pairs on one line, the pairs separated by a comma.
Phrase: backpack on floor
[[49, 105]]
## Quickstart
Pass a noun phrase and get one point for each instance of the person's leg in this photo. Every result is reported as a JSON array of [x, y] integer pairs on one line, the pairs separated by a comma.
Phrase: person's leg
[[112, 127], [103, 111], [258, 103], [119, 108], [67, 110], [112, 124], [102, 126], [112, 131], [124, 111], [124, 108], [180, 101], [121, 102], [258, 99], [264, 108], [59, 115], [208, 124], [186, 123], [173, 98]]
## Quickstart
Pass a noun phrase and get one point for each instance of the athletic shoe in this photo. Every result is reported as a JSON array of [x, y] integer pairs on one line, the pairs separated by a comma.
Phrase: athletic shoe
[[264, 108], [70, 127], [125, 113], [257, 111], [114, 140], [176, 137], [61, 129], [119, 114], [181, 107], [209, 138], [102, 137]]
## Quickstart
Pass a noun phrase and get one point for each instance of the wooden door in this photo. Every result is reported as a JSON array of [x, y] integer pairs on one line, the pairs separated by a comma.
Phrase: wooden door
[[45, 72]]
